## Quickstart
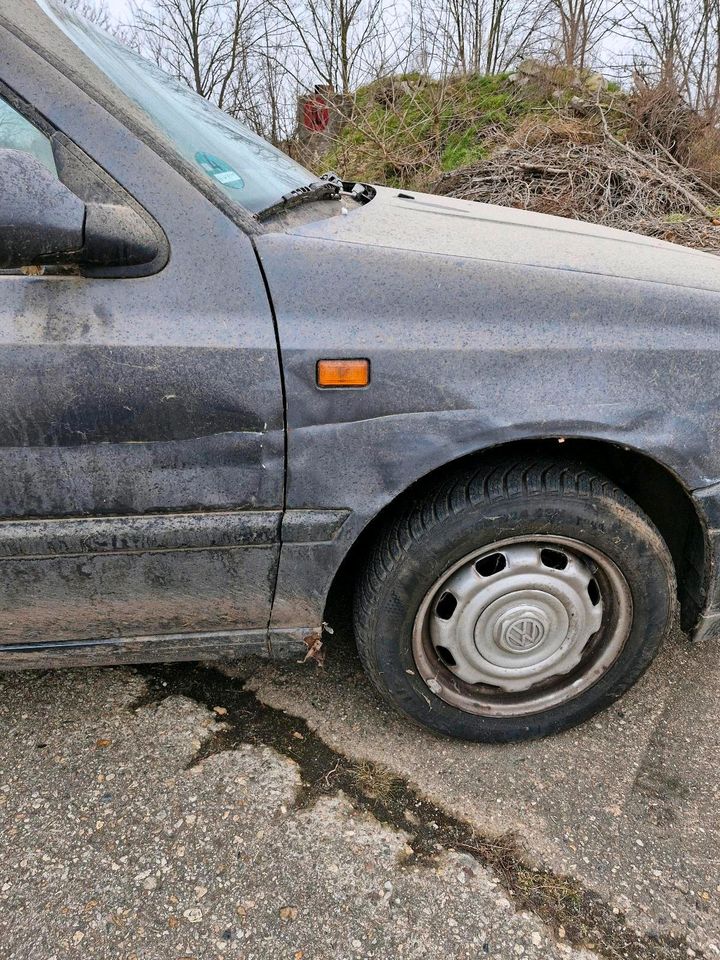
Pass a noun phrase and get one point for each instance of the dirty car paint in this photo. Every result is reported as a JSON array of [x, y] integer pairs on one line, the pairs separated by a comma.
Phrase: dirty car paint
[[516, 326]]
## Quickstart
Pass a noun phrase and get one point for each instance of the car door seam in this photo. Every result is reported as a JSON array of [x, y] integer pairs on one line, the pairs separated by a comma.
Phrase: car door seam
[[283, 507]]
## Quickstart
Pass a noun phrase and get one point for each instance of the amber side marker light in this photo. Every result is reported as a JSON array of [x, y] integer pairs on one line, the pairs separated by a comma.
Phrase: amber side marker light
[[343, 373]]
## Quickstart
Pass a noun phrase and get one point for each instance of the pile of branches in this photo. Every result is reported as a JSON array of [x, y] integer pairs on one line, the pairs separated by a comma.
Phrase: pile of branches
[[578, 167]]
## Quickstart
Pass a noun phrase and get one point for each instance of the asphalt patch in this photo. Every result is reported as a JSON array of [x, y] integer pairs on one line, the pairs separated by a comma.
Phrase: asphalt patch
[[576, 915]]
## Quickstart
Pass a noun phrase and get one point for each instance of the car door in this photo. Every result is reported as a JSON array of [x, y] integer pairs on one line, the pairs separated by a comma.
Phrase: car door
[[141, 416]]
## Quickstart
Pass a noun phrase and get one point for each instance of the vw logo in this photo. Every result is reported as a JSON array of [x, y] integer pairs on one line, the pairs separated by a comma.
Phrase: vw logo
[[524, 633]]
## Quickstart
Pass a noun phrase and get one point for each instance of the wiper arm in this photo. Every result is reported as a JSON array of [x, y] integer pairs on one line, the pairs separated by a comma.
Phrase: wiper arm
[[322, 189]]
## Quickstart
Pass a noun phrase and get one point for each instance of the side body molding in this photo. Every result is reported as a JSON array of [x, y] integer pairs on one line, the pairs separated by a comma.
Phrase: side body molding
[[65, 583]]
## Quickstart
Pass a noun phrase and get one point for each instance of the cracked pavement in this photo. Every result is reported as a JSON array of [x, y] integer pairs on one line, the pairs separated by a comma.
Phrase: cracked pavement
[[136, 821]]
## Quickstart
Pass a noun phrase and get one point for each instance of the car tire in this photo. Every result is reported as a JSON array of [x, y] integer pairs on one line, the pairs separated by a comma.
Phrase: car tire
[[513, 601]]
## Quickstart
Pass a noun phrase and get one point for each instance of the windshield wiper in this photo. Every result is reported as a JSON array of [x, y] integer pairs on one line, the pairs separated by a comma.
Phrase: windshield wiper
[[328, 187]]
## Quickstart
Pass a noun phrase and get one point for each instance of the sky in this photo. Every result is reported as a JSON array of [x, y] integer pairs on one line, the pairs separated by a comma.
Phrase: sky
[[118, 8]]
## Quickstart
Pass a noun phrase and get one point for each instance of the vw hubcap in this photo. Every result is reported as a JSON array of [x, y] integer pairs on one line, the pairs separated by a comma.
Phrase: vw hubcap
[[522, 625]]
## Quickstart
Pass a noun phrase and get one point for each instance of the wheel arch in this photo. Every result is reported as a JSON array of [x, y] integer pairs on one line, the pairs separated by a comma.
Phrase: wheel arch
[[652, 485]]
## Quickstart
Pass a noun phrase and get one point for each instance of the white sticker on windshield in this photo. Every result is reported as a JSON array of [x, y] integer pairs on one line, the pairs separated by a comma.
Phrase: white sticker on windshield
[[220, 170]]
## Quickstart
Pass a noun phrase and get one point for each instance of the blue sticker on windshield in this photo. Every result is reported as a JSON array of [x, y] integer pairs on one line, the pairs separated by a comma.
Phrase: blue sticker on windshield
[[219, 170]]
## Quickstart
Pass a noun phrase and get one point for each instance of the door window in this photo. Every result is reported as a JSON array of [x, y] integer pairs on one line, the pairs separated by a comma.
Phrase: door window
[[17, 133]]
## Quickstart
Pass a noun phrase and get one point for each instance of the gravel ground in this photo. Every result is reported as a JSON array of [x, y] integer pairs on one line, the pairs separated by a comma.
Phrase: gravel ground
[[271, 811]]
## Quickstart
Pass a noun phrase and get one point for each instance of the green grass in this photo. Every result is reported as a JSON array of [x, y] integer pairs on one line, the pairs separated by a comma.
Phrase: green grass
[[407, 130], [462, 149]]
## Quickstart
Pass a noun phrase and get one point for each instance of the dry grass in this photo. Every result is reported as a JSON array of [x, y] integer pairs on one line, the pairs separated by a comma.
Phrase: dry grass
[[542, 130], [577, 167], [375, 780]]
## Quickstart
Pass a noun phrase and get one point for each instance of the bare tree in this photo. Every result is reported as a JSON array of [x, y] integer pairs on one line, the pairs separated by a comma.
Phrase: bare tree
[[465, 27], [202, 42], [665, 38], [480, 36], [265, 88], [344, 42], [237, 53], [704, 90], [96, 11], [581, 27], [677, 46]]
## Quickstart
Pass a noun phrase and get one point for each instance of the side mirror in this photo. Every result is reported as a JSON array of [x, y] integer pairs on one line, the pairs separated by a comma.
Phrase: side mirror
[[42, 222]]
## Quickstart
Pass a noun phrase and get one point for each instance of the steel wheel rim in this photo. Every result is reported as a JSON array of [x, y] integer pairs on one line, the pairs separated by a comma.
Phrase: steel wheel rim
[[524, 637]]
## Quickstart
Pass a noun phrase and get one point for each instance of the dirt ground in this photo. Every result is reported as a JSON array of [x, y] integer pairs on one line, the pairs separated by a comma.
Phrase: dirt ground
[[269, 811]]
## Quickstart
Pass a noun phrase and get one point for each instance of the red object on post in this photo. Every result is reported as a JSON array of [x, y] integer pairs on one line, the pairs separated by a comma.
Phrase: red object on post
[[316, 114]]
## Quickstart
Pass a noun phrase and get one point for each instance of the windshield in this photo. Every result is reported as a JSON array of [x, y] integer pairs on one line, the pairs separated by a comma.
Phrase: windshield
[[246, 167]]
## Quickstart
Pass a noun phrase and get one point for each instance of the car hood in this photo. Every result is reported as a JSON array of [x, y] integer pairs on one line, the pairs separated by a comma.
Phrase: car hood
[[405, 220]]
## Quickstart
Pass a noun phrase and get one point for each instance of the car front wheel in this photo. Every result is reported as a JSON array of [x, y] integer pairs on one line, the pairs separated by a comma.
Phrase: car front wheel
[[513, 601]]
